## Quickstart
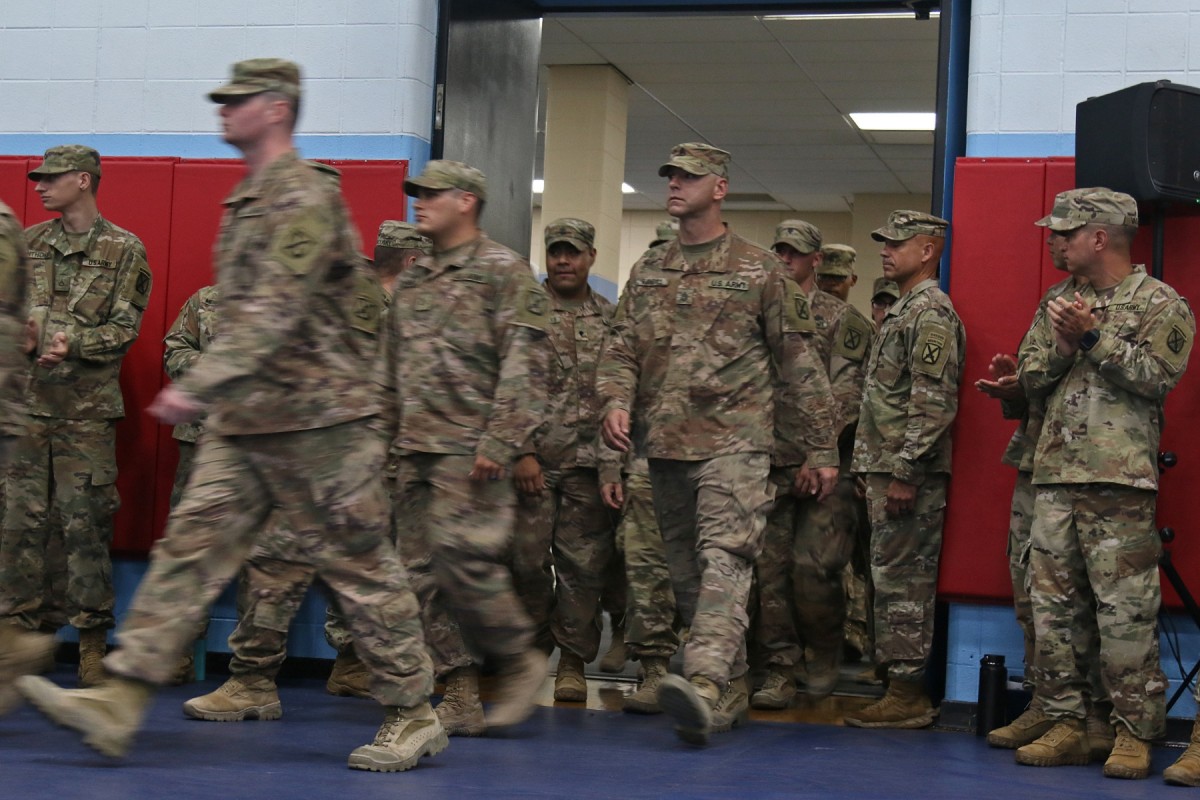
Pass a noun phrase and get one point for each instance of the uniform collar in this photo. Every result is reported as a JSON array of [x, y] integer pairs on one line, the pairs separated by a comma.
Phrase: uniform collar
[[253, 187]]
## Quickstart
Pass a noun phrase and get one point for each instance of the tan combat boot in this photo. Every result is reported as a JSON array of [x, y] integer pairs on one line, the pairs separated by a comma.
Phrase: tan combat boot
[[240, 698], [645, 699], [93, 646], [185, 670], [1130, 756], [1186, 770], [823, 668], [405, 736], [107, 715], [1066, 743], [570, 685], [461, 711], [1028, 727], [733, 707], [519, 680], [613, 662], [1101, 737], [777, 690], [905, 705], [690, 704], [21, 653], [350, 677]]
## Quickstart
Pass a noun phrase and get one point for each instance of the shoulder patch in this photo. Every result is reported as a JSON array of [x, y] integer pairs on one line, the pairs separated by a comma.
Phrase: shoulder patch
[[1173, 341], [298, 244], [532, 308], [853, 337], [141, 289], [797, 317], [935, 343]]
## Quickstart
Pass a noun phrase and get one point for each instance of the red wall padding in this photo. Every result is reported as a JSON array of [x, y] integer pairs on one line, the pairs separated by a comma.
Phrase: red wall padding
[[999, 269], [174, 206]]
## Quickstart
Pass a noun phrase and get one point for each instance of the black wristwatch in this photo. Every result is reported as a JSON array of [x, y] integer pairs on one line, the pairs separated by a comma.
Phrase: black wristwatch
[[1089, 339]]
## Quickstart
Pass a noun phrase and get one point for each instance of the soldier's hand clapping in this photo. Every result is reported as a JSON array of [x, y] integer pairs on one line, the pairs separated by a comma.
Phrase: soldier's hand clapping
[[1070, 320]]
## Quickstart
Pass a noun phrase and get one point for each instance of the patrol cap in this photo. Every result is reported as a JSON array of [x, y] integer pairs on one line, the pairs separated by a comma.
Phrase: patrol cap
[[440, 175], [883, 286], [904, 224], [837, 261], [804, 236], [697, 158], [67, 158], [258, 75], [1078, 207], [401, 236], [576, 232]]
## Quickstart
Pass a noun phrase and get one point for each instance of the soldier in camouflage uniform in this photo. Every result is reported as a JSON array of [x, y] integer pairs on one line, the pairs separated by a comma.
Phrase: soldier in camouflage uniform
[[1104, 361], [883, 294], [397, 247], [835, 270], [700, 323], [466, 364], [89, 285], [903, 447], [807, 543], [290, 427], [21, 651], [1002, 384], [560, 510]]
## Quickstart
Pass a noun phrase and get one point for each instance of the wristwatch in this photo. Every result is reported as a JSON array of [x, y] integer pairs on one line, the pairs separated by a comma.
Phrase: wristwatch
[[1089, 339]]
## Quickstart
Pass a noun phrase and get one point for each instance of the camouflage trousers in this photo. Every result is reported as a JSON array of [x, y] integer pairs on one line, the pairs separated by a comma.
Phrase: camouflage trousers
[[572, 517], [455, 537], [801, 600], [1020, 523], [1093, 564], [711, 514], [856, 577], [327, 484], [60, 497], [650, 615], [905, 552]]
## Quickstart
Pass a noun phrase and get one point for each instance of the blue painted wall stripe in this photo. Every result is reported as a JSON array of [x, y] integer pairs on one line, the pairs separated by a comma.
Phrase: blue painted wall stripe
[[1020, 145]]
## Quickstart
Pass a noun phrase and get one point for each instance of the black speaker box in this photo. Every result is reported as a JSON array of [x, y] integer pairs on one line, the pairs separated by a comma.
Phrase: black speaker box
[[1143, 140]]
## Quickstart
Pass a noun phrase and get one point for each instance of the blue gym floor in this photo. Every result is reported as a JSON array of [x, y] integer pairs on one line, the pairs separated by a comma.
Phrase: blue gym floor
[[566, 751]]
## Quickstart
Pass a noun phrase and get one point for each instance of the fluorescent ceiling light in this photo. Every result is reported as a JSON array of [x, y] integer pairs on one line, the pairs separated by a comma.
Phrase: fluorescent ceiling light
[[539, 186], [933, 14], [902, 121]]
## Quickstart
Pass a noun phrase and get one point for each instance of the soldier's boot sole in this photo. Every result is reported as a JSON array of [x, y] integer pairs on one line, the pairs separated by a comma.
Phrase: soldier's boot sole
[[262, 713], [766, 700], [569, 691], [1011, 739], [378, 759], [100, 731], [1060, 760], [1186, 770], [692, 714], [908, 723]]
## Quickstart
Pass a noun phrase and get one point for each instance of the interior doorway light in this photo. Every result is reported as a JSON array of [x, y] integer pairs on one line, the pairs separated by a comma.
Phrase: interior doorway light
[[902, 121], [539, 186], [933, 14]]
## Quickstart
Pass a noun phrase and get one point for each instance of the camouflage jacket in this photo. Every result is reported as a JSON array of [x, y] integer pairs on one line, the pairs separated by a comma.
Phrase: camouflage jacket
[[96, 296], [910, 395], [190, 336], [467, 354], [1104, 407], [1030, 413], [842, 342], [569, 434], [701, 353], [14, 276], [296, 316]]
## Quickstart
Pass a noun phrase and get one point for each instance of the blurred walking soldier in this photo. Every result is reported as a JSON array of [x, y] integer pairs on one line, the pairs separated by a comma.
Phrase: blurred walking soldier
[[465, 368], [698, 329], [89, 285], [910, 399], [290, 427]]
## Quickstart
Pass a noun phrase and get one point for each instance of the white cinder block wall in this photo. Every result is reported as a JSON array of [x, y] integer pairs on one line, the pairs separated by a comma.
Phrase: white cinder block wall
[[1032, 61], [129, 76]]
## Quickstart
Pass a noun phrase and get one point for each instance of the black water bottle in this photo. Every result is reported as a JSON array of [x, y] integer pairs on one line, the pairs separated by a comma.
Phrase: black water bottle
[[990, 712]]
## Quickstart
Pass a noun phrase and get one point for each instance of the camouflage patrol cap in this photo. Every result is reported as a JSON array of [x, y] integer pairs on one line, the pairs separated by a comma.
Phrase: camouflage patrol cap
[[67, 158], [1078, 207], [804, 236], [697, 158], [904, 224], [837, 261], [885, 287], [401, 236], [576, 232], [258, 75], [440, 175]]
